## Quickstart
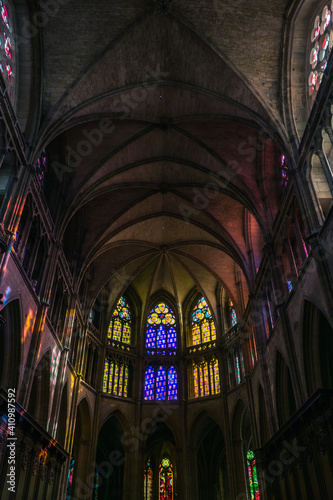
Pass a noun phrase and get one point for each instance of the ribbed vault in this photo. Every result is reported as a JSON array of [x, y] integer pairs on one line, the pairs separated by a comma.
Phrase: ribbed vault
[[166, 176]]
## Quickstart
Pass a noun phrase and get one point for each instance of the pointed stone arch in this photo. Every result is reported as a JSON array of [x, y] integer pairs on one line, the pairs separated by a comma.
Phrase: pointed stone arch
[[121, 417], [110, 460], [242, 441], [211, 459], [197, 423]]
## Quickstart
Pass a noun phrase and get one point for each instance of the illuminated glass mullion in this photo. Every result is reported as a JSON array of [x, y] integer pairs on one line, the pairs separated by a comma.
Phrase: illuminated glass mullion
[[111, 377], [115, 379], [121, 380], [201, 380], [217, 377], [172, 384], [206, 379], [211, 379], [150, 389], [238, 369], [106, 375], [196, 381], [126, 382]]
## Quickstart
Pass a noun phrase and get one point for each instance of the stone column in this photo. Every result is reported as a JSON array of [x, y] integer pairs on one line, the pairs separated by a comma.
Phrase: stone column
[[311, 212], [281, 294], [29, 369], [261, 339]]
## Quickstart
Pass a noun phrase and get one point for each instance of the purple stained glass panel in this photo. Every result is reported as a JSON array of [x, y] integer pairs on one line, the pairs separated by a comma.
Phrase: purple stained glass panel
[[172, 338], [149, 384], [172, 384], [161, 384], [161, 337]]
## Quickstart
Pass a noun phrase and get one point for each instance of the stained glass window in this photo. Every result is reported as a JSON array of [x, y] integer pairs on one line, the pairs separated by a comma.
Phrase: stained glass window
[[253, 477], [284, 171], [91, 316], [166, 480], [6, 43], [238, 370], [205, 377], [115, 380], [216, 377], [321, 45], [242, 364], [150, 384], [160, 384], [233, 315], [120, 324], [70, 478], [41, 168], [161, 331], [96, 485], [164, 387], [148, 482], [196, 381], [172, 384], [203, 327], [290, 286]]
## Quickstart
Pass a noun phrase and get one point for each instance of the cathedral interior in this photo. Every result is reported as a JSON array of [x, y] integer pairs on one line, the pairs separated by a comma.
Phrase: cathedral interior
[[166, 241]]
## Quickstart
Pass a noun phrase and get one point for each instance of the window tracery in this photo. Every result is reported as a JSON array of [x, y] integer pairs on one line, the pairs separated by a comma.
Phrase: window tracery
[[321, 44], [206, 377], [7, 54], [252, 475], [120, 325], [148, 482], [161, 333], [233, 315], [166, 480], [161, 383], [203, 326], [116, 377]]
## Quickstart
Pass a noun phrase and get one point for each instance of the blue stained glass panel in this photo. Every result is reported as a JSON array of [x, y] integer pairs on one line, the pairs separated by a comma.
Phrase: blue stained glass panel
[[161, 329], [150, 338], [149, 383], [172, 338], [161, 337], [161, 384], [172, 384]]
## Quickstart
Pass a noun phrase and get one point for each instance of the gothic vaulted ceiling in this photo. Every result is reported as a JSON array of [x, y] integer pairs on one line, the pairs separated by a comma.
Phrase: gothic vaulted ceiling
[[164, 131]]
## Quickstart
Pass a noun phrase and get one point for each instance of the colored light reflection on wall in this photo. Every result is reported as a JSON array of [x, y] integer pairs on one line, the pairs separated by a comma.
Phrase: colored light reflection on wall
[[55, 358], [6, 296], [29, 324]]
